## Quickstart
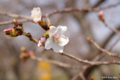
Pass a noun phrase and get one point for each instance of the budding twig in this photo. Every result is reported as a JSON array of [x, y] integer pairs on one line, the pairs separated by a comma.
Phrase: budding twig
[[78, 9], [78, 59], [27, 35], [101, 17], [26, 18]]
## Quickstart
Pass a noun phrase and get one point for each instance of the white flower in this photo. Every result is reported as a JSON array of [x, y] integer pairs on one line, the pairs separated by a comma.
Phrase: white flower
[[56, 39], [36, 14]]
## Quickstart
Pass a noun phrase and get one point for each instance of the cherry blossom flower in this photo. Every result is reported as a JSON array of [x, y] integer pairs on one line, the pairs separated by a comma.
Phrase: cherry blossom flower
[[56, 39], [36, 14]]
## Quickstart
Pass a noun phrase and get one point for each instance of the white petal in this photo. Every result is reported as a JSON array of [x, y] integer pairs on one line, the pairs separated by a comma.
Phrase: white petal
[[57, 48], [36, 14], [61, 29], [63, 40], [36, 10], [43, 39], [52, 31], [49, 43]]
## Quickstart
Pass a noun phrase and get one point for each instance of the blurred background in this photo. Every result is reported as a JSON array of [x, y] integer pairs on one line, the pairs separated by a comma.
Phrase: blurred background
[[80, 25]]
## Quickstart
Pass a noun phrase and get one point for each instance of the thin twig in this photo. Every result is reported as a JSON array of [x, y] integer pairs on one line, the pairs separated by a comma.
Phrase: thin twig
[[27, 18], [114, 30], [15, 15], [103, 50], [90, 62], [47, 19], [11, 21], [78, 9], [56, 63], [27, 35]]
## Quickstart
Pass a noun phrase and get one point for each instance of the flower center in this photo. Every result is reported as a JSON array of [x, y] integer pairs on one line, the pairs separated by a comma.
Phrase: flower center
[[56, 38], [35, 16]]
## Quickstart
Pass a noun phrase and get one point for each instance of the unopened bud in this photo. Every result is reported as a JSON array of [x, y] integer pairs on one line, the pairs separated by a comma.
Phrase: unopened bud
[[24, 56], [15, 22], [20, 24], [89, 40], [8, 31], [43, 24], [41, 41], [23, 49], [31, 53], [101, 15], [12, 32]]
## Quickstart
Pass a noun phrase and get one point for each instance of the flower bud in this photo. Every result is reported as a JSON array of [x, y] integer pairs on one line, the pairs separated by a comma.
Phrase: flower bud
[[42, 40], [101, 15], [12, 32], [23, 49], [43, 24], [8, 31], [15, 22], [24, 55], [31, 53], [89, 40]]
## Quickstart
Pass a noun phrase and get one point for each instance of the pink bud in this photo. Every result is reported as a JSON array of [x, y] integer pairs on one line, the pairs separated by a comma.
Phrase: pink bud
[[101, 15], [31, 53], [8, 31], [41, 41]]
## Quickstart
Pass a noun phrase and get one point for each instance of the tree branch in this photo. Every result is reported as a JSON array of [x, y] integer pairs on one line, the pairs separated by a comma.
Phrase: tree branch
[[65, 10], [56, 63]]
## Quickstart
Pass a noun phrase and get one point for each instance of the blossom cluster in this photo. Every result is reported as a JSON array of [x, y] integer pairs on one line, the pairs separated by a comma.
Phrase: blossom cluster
[[53, 38]]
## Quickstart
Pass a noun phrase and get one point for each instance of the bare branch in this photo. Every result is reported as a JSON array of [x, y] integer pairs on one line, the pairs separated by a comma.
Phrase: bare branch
[[98, 3], [103, 50], [27, 18], [56, 63], [11, 21], [47, 19], [114, 30]]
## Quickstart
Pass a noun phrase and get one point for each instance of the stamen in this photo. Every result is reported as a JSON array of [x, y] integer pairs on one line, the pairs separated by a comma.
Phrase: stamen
[[34, 15], [57, 38]]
